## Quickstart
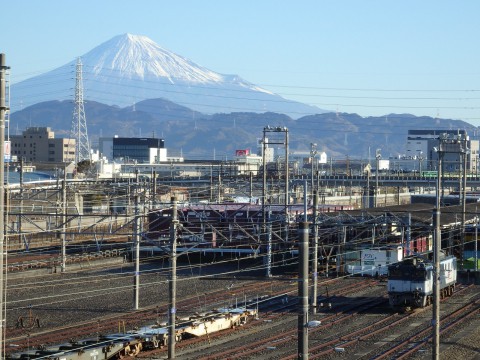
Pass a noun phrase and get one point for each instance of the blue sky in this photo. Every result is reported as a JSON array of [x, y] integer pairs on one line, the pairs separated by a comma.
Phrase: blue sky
[[367, 57]]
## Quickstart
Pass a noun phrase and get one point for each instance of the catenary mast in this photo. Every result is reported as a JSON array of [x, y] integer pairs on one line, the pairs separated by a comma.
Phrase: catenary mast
[[3, 110]]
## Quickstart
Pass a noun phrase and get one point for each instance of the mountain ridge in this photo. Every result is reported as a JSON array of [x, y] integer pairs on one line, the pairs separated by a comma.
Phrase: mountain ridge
[[192, 132]]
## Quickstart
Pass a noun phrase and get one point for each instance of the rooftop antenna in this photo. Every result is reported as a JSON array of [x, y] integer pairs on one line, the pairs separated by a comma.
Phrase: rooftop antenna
[[79, 122]]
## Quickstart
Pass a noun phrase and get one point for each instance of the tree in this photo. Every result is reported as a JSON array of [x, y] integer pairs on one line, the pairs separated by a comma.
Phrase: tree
[[85, 166]]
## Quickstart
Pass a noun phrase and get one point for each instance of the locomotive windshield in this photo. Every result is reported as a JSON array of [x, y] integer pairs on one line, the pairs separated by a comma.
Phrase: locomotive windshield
[[407, 273], [394, 273]]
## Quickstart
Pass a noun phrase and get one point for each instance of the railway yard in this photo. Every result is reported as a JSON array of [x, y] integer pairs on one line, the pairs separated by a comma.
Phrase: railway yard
[[356, 321], [227, 305]]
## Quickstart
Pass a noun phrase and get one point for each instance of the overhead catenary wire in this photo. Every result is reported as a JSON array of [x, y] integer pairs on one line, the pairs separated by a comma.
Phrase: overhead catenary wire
[[149, 84], [231, 260]]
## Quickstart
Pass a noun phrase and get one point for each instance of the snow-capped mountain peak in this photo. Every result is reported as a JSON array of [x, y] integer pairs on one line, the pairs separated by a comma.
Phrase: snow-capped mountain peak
[[137, 56], [130, 68]]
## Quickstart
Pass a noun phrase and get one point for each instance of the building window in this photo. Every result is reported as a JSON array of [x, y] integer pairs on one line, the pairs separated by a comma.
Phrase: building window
[[51, 145]]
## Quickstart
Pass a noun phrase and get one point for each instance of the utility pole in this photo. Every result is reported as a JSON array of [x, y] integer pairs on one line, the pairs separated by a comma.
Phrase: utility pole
[[21, 198], [58, 205], [269, 245], [378, 156], [437, 244], [287, 189], [409, 234], [315, 252], [476, 245], [172, 288], [211, 184], [303, 292], [136, 235], [154, 190], [302, 328], [368, 203], [251, 187], [64, 219], [463, 151], [313, 152], [3, 109], [219, 200], [264, 177]]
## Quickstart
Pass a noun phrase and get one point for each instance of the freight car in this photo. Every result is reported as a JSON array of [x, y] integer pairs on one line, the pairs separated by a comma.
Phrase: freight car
[[130, 344], [103, 347], [410, 282]]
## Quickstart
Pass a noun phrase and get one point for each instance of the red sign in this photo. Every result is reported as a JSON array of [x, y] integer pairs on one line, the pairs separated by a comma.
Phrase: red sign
[[242, 152]]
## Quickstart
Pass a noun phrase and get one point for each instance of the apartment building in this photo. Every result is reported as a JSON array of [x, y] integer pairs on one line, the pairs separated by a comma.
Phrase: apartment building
[[38, 144]]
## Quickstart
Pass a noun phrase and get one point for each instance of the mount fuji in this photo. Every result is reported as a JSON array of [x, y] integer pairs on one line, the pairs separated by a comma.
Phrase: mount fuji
[[130, 68]]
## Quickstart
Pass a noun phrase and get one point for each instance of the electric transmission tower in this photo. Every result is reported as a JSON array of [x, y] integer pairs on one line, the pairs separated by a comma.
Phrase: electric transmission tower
[[79, 122]]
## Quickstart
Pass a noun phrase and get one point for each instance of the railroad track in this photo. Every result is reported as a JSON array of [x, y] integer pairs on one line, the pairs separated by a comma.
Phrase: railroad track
[[22, 338], [123, 321], [344, 315], [275, 306], [279, 311], [381, 327], [416, 341]]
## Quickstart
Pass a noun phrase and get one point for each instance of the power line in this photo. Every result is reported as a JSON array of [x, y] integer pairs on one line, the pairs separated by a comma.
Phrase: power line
[[79, 121]]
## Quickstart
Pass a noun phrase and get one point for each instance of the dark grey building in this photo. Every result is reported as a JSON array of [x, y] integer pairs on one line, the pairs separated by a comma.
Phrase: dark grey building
[[141, 150]]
